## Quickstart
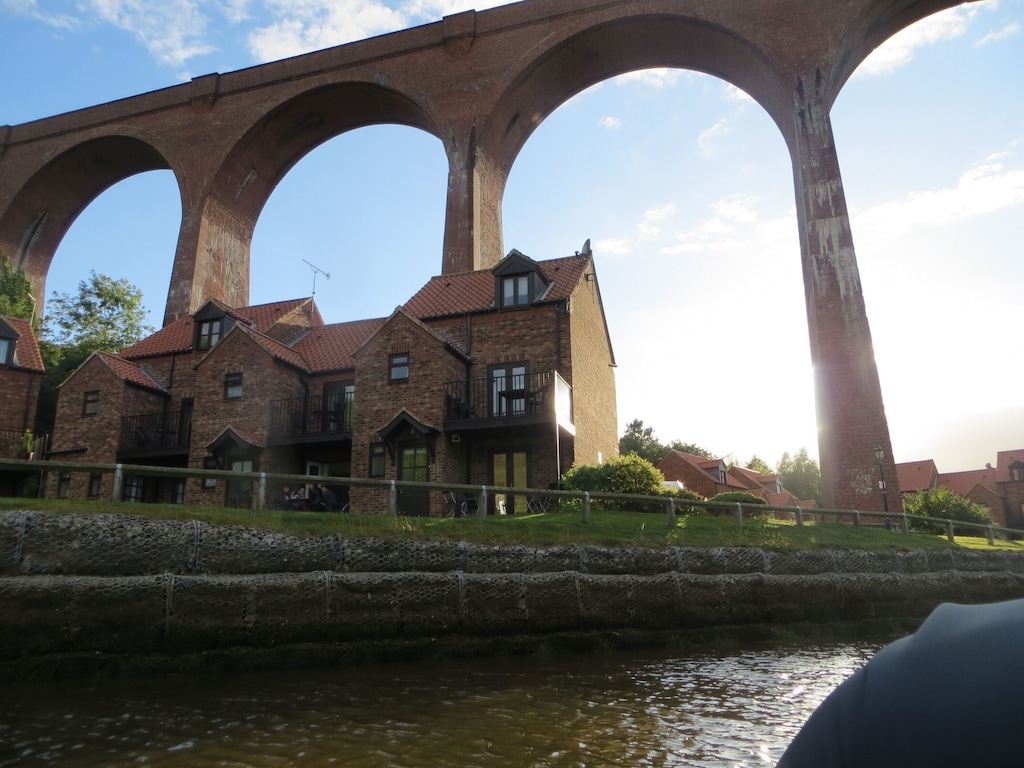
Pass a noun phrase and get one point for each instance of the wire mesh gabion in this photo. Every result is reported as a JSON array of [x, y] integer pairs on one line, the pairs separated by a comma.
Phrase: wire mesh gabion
[[119, 584]]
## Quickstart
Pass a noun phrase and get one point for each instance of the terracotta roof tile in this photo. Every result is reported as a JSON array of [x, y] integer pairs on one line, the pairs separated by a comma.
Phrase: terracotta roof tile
[[172, 338], [27, 347], [130, 372], [916, 475], [962, 483], [466, 292], [330, 347]]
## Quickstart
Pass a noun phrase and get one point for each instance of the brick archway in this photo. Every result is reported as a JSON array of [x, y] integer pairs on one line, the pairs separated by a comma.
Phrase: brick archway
[[241, 185], [50, 201], [482, 83]]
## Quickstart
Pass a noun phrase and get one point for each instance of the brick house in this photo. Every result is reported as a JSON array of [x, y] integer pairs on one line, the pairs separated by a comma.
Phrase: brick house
[[496, 377], [21, 374], [999, 488], [710, 477]]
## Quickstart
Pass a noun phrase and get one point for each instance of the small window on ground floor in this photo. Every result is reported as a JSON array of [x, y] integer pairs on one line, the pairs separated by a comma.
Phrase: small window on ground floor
[[94, 484], [132, 489], [377, 455]]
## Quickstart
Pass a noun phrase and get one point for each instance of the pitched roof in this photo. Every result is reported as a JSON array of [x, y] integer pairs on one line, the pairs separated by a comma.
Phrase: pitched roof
[[916, 475], [466, 292], [330, 347], [961, 483], [27, 346], [178, 335], [129, 372]]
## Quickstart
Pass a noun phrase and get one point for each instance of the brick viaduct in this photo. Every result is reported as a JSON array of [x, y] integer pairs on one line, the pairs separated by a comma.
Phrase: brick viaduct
[[482, 82]]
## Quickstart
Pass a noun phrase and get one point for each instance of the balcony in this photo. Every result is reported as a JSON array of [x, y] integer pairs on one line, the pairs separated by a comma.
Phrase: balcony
[[315, 417], [518, 400], [156, 433]]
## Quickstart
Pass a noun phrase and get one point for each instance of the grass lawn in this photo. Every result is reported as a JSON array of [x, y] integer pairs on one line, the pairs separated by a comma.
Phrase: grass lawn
[[565, 526]]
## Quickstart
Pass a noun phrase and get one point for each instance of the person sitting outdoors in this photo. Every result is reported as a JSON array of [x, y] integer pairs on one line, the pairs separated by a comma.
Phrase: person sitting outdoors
[[330, 499], [314, 498], [284, 499]]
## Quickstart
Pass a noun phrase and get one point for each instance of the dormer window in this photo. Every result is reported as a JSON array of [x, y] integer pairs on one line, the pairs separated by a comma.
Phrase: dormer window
[[8, 344], [518, 281], [211, 325], [515, 291], [209, 333]]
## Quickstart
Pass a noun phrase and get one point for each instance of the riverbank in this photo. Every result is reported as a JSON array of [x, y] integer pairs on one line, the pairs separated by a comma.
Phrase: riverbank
[[118, 594]]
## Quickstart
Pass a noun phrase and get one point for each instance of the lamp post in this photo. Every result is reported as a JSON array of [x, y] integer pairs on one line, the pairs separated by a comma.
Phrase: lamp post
[[880, 454]]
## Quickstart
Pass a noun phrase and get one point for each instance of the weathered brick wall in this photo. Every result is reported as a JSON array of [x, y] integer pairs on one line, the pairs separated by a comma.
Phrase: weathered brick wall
[[263, 380], [379, 400], [593, 377], [19, 393]]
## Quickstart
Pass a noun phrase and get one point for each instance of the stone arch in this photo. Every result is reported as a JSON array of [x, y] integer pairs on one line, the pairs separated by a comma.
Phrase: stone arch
[[213, 258], [620, 46], [50, 201], [597, 53]]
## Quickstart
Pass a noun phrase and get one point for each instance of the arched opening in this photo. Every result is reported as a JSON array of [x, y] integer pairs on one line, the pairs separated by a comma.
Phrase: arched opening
[[366, 207], [684, 186], [140, 248], [929, 136]]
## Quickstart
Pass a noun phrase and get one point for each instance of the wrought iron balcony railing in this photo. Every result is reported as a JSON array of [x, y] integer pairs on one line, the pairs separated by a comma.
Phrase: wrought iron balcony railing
[[508, 397], [156, 431], [314, 415]]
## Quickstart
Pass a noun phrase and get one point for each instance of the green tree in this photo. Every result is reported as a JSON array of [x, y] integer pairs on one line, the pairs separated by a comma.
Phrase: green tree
[[800, 475], [944, 504], [15, 292], [640, 440], [758, 464], [105, 315]]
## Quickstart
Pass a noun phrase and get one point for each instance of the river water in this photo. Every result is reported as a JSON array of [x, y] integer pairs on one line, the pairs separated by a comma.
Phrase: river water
[[739, 708]]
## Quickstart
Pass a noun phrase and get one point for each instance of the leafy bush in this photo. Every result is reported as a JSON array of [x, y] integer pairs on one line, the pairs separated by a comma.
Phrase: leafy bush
[[944, 504], [629, 474]]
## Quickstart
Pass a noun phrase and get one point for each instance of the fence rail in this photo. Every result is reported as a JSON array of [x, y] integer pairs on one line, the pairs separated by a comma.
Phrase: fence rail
[[537, 498]]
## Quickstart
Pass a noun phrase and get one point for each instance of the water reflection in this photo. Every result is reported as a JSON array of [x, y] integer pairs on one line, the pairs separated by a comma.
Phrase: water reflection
[[641, 709]]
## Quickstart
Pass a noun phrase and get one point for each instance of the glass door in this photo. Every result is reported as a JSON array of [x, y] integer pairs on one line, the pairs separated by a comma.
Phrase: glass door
[[414, 464], [509, 469]]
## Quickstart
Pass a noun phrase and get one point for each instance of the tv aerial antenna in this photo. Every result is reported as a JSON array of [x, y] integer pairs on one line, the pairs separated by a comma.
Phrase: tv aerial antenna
[[316, 271]]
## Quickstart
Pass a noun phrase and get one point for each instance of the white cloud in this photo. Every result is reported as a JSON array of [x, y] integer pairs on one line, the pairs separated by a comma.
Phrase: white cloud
[[302, 26], [655, 78], [985, 188], [901, 47], [1009, 30], [613, 247], [610, 123], [172, 30], [707, 138], [31, 9]]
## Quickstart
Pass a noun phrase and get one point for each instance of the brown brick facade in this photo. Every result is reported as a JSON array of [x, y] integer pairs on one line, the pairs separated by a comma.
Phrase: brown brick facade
[[473, 404]]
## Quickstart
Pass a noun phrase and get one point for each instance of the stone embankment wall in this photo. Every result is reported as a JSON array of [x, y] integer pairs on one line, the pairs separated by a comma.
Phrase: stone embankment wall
[[116, 587]]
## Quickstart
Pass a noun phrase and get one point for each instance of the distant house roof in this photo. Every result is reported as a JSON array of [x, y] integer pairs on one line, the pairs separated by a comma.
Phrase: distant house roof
[[916, 475], [330, 347], [962, 483], [28, 356]]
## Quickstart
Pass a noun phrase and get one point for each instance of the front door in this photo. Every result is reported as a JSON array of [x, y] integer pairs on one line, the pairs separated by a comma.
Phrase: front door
[[239, 489], [414, 464], [509, 469]]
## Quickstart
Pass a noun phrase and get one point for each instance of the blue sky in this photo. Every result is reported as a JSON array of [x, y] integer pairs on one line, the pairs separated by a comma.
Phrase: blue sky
[[681, 182]]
